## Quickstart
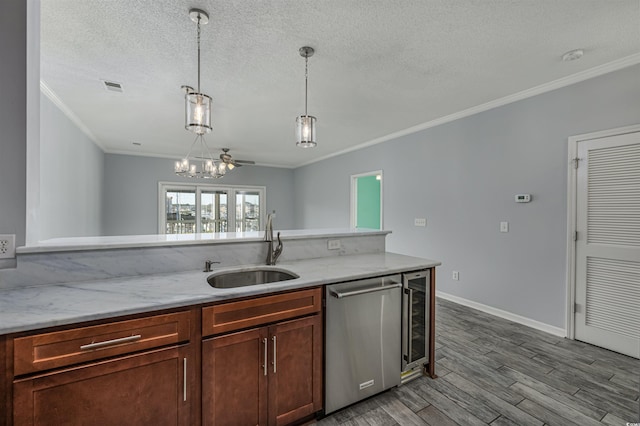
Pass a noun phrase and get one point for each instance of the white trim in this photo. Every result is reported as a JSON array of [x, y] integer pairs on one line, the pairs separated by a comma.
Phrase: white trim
[[46, 90], [556, 331], [571, 246], [353, 202], [354, 197], [32, 220], [572, 150], [533, 91]]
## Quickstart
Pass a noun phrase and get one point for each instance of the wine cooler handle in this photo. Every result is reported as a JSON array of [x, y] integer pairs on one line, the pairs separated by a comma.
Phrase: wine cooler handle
[[410, 328]]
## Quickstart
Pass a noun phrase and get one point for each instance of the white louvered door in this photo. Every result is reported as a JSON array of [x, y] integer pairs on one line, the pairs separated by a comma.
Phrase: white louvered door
[[608, 244]]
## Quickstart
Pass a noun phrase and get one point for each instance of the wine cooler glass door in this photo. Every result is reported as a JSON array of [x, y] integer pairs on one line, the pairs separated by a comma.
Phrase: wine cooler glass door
[[415, 316]]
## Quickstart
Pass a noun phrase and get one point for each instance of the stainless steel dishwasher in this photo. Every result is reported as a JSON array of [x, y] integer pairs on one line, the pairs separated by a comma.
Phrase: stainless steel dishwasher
[[363, 343]]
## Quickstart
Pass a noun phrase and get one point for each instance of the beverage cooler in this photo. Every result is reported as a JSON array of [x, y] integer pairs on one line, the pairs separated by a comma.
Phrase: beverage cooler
[[415, 324]]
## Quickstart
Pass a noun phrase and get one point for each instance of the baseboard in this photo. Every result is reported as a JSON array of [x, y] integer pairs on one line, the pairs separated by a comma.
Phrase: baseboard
[[556, 331]]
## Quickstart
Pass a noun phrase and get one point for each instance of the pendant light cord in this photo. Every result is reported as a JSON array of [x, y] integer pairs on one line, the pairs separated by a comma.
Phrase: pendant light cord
[[199, 53], [306, 82]]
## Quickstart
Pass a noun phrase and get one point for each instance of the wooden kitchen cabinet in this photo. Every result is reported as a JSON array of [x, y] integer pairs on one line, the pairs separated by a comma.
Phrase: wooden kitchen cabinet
[[232, 316], [57, 349], [256, 361], [143, 389], [269, 375], [234, 379], [138, 371], [295, 381]]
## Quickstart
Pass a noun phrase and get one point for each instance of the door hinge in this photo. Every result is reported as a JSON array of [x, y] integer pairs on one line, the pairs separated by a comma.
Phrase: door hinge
[[575, 235], [577, 308], [575, 162]]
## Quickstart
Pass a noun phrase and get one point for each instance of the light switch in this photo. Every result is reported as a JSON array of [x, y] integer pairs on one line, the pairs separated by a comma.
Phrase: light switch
[[504, 226]]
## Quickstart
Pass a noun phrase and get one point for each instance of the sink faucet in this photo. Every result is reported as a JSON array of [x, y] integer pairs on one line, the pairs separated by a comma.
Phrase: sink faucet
[[272, 255], [207, 265]]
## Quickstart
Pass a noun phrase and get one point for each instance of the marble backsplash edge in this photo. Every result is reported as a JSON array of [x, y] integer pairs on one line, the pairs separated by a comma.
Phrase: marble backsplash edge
[[79, 266]]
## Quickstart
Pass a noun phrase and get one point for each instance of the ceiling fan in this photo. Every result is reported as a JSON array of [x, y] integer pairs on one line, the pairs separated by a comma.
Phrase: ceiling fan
[[226, 158]]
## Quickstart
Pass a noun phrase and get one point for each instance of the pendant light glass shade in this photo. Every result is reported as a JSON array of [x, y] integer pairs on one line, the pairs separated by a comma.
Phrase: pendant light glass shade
[[306, 131], [306, 124], [197, 112]]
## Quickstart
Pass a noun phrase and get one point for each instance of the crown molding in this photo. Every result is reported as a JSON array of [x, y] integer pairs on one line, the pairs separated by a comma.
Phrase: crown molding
[[528, 93], [51, 95]]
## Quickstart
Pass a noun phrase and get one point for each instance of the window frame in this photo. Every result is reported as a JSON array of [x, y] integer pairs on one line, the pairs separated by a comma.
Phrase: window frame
[[198, 188]]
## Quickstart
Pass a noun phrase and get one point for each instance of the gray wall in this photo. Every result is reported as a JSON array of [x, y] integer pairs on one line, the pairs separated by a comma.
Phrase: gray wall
[[462, 176], [71, 177], [131, 191], [13, 119]]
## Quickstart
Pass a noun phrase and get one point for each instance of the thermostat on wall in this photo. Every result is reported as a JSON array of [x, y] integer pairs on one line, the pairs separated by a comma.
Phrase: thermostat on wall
[[523, 198]]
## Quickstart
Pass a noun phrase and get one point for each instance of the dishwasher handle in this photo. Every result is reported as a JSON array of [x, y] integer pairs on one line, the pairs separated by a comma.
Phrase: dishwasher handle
[[372, 289]]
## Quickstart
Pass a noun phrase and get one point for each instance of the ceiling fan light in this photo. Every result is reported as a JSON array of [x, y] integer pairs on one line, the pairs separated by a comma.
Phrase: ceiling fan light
[[197, 112], [306, 131]]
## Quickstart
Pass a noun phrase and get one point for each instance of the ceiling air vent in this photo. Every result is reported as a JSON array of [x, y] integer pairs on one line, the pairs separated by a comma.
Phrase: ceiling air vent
[[112, 86]]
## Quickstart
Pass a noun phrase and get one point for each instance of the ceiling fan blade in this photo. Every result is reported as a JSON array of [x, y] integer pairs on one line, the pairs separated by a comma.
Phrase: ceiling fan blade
[[227, 158]]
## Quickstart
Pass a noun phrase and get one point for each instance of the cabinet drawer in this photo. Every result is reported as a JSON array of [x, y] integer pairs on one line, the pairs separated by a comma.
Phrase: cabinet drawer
[[262, 310], [61, 348]]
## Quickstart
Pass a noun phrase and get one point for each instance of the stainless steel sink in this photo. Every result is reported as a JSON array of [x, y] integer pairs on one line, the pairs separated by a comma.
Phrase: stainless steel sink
[[253, 276]]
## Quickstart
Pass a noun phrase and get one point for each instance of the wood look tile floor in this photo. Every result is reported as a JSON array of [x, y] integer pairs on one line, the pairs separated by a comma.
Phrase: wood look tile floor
[[493, 371]]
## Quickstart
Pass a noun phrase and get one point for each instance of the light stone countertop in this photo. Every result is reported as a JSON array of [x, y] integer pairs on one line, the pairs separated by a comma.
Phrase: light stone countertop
[[164, 240], [32, 308]]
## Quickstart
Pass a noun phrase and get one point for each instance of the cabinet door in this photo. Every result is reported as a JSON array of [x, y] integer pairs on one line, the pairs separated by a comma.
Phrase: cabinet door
[[295, 379], [234, 379], [143, 389]]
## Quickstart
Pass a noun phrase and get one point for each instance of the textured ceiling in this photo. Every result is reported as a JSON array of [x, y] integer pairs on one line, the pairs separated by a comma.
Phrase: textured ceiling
[[380, 66]]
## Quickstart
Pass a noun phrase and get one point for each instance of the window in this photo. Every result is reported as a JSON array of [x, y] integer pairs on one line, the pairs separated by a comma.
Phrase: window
[[186, 209], [247, 211]]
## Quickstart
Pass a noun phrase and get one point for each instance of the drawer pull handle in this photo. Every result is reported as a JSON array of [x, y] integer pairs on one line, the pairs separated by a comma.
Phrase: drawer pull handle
[[275, 354], [184, 381], [264, 366], [98, 345]]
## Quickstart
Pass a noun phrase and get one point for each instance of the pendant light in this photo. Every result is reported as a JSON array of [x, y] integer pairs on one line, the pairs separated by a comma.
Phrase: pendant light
[[197, 104], [306, 124], [198, 120]]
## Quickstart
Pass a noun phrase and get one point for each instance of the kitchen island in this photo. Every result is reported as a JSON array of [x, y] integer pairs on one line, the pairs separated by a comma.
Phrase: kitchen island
[[175, 305]]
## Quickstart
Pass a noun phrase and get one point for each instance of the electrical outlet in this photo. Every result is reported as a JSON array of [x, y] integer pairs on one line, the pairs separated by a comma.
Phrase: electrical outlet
[[7, 246], [333, 244], [420, 221], [455, 276]]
